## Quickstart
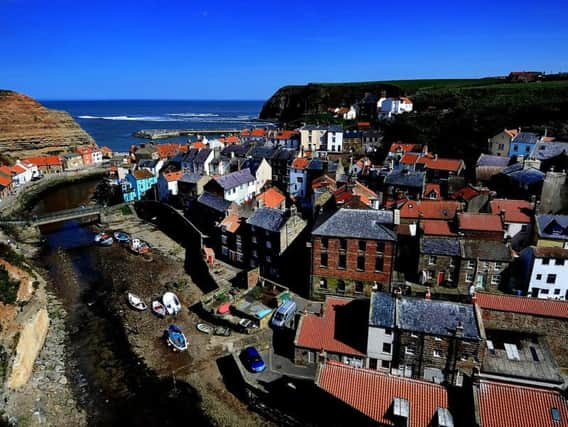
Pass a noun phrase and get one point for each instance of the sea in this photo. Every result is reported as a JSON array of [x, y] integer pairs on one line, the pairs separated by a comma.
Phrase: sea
[[112, 123]]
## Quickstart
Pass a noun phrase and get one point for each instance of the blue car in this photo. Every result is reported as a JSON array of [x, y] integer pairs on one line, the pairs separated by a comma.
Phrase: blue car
[[253, 360]]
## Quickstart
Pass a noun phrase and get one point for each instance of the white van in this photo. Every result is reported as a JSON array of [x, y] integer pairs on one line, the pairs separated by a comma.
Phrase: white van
[[284, 314]]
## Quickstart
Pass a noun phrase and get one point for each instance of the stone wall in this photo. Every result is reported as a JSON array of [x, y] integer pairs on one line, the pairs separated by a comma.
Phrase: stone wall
[[443, 264]]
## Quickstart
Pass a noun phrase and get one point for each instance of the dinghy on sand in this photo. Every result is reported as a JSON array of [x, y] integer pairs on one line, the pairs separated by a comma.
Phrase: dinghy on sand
[[176, 339], [158, 308], [136, 302], [172, 303]]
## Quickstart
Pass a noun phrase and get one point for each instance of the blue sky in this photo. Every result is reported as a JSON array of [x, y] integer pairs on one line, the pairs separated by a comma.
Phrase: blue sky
[[64, 49]]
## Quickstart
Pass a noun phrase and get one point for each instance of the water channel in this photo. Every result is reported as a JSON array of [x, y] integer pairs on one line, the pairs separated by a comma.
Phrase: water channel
[[110, 382]]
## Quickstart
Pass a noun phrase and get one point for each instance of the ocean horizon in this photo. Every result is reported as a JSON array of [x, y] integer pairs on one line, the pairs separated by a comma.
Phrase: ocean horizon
[[113, 122]]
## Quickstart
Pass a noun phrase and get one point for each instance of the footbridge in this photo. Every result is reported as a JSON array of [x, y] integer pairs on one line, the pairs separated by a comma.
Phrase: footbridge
[[91, 212]]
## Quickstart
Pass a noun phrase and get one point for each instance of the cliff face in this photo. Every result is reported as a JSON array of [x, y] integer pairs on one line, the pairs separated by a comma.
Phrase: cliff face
[[290, 103], [28, 128]]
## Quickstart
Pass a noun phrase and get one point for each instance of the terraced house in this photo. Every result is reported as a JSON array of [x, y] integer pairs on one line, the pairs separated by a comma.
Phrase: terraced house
[[352, 251]]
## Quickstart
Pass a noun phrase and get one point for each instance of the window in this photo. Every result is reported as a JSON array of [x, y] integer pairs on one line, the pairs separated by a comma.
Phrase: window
[[362, 245], [452, 262], [515, 147], [437, 353], [379, 263], [387, 347], [373, 363], [524, 228], [431, 274], [432, 260], [323, 283], [385, 364], [546, 261], [544, 291], [527, 149], [323, 260], [388, 331], [470, 265], [224, 239], [359, 287], [324, 242], [559, 261], [380, 246], [495, 279], [268, 244], [299, 179], [551, 278], [498, 266], [469, 277], [340, 289], [342, 261], [361, 263], [557, 292], [409, 350], [538, 276], [343, 244], [268, 258]]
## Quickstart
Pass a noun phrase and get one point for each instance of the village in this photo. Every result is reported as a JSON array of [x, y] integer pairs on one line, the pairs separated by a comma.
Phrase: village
[[394, 278]]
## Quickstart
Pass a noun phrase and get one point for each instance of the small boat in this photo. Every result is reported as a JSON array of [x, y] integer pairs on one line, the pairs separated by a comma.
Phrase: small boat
[[206, 328], [176, 338], [103, 239], [136, 302], [121, 237], [158, 308], [171, 302], [139, 247]]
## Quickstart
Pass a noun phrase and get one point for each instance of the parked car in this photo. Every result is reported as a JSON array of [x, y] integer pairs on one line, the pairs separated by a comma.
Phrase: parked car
[[253, 360], [284, 314]]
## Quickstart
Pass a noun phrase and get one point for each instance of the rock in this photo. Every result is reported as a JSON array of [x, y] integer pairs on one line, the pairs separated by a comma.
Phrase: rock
[[63, 381]]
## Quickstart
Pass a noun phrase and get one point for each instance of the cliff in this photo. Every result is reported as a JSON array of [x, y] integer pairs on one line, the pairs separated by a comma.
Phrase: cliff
[[28, 128]]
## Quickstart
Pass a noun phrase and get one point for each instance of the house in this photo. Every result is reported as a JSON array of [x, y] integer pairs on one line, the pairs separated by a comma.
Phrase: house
[[481, 226], [345, 194], [484, 264], [434, 228], [405, 184], [399, 149], [317, 335], [261, 170], [439, 168], [500, 144], [551, 230], [321, 138], [271, 198], [380, 399], [353, 141], [425, 339], [389, 107], [191, 186], [439, 210], [254, 135], [32, 170], [46, 164], [499, 403], [211, 208], [169, 150], [372, 139], [474, 199], [523, 144], [520, 180], [202, 161], [351, 113], [5, 185], [220, 165], [540, 317], [235, 244], [517, 217], [280, 161], [145, 151], [151, 165], [286, 138], [96, 156], [544, 272], [438, 262], [18, 174], [106, 152], [488, 166], [272, 231], [298, 178], [352, 251], [238, 187], [86, 152], [72, 161], [554, 194], [168, 185], [525, 76], [432, 192], [140, 181]]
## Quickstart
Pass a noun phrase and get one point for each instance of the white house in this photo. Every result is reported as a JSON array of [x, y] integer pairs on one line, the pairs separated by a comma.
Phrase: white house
[[517, 218], [298, 177], [545, 272], [153, 165], [168, 185], [96, 156], [352, 113], [261, 170], [238, 187], [23, 172], [321, 138], [388, 107], [380, 338]]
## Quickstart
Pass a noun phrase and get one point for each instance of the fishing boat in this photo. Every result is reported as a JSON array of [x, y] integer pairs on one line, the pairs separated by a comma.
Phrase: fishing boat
[[121, 237], [206, 328], [158, 308], [139, 247], [176, 338], [171, 302], [136, 302], [103, 239]]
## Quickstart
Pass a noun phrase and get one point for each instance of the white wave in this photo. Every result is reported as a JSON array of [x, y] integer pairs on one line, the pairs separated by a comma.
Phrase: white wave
[[133, 118], [193, 114]]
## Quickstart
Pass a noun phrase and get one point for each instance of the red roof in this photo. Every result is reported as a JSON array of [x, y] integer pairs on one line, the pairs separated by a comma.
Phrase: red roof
[[43, 160], [405, 100], [245, 132], [258, 132], [324, 181], [272, 198], [363, 125], [437, 228], [451, 165], [372, 393], [409, 159], [173, 176], [479, 222], [231, 139], [300, 163], [231, 223], [466, 194], [198, 145], [285, 134], [397, 146], [318, 332], [5, 180], [106, 149], [430, 209], [515, 210], [525, 305], [6, 170], [512, 132], [502, 404], [170, 149], [18, 169], [429, 188]]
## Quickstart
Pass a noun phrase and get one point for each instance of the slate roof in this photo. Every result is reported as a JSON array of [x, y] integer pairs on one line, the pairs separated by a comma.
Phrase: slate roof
[[252, 164], [268, 219], [358, 224], [524, 305], [284, 154], [527, 176], [190, 178], [548, 150], [316, 164], [382, 310], [490, 250], [552, 226], [526, 138], [433, 246], [515, 167], [147, 163], [202, 155], [234, 179], [436, 317], [214, 202], [520, 406], [372, 393], [239, 150], [406, 178], [260, 152], [330, 128], [489, 160]]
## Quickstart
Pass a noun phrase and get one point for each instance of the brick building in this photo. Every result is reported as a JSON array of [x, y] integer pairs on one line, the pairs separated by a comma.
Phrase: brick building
[[484, 264], [426, 339], [351, 251]]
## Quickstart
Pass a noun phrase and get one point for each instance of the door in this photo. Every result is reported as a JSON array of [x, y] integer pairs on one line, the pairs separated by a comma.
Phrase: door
[[440, 278]]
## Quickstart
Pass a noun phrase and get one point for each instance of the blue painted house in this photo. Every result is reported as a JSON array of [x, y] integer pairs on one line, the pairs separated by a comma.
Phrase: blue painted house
[[137, 183], [523, 144]]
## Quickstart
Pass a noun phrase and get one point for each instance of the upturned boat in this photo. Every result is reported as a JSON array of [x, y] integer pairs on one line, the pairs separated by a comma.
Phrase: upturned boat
[[175, 338], [103, 239], [136, 302], [172, 303], [158, 308]]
